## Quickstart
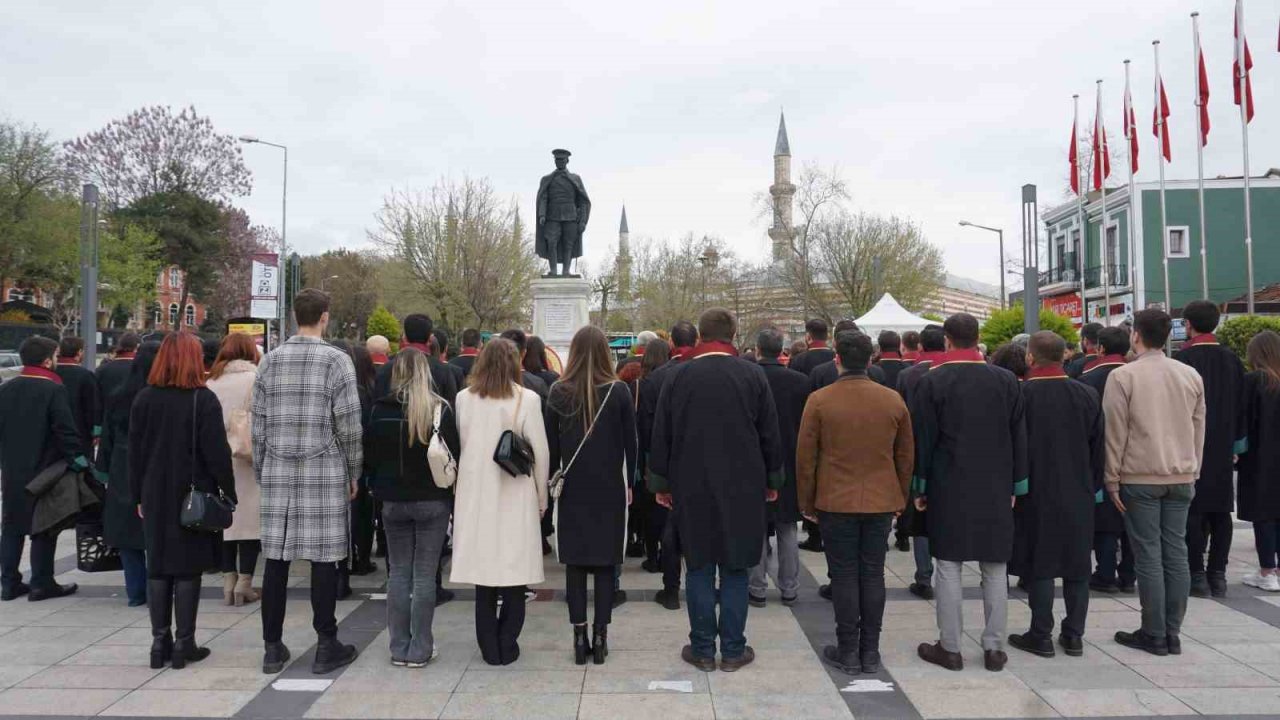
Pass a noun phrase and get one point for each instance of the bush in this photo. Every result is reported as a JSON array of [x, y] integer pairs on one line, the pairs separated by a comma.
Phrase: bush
[[1003, 325], [382, 322], [935, 317], [1238, 331]]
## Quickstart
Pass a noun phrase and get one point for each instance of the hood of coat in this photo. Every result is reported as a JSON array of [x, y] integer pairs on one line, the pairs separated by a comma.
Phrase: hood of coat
[[239, 366]]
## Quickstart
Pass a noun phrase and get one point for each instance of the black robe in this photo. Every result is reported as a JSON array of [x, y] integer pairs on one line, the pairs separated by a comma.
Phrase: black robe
[[121, 526], [36, 430], [82, 392], [892, 368], [442, 377], [163, 466], [827, 373], [1066, 453], [1076, 366], [1259, 466], [648, 391], [113, 376], [591, 512], [716, 449], [1106, 518], [808, 361], [790, 391], [971, 456], [1224, 431], [464, 363]]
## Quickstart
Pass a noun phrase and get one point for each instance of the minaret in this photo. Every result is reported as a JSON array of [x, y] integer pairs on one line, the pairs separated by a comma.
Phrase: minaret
[[783, 193], [624, 258]]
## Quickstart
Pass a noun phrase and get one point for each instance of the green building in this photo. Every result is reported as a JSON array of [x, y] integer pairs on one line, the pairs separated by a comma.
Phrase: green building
[[1134, 265]]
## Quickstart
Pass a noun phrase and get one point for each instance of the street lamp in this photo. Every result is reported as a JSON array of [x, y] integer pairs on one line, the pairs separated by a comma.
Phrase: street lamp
[[325, 280], [708, 260], [284, 244], [998, 231]]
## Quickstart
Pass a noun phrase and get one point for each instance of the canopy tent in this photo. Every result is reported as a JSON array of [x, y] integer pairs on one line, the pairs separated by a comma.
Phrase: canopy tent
[[889, 315]]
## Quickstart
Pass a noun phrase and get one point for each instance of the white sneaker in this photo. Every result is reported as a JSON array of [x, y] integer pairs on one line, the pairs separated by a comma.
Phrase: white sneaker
[[1270, 583]]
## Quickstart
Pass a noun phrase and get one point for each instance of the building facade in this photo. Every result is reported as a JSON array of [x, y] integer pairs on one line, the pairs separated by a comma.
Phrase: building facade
[[167, 311]]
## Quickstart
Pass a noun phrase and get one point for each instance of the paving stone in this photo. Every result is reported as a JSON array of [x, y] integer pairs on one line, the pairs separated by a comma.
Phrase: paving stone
[[20, 701], [981, 703], [141, 637], [205, 677], [388, 705], [111, 655], [494, 706], [434, 678], [181, 703], [1175, 675], [828, 706], [636, 681], [1193, 653], [515, 681], [758, 681], [531, 660], [1077, 674], [84, 635], [1114, 702], [1264, 653], [14, 674], [1232, 634], [90, 678], [645, 707], [38, 653], [1213, 701]]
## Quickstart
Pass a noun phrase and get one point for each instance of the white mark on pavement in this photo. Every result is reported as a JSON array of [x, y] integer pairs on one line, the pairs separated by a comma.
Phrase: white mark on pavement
[[377, 596], [863, 686], [301, 685], [682, 686]]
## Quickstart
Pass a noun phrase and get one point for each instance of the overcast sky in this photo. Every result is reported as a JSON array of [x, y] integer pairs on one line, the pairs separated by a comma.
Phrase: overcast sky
[[936, 110]]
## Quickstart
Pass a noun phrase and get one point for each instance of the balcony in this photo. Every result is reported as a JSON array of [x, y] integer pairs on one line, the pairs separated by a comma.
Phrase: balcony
[[1117, 276], [1055, 275]]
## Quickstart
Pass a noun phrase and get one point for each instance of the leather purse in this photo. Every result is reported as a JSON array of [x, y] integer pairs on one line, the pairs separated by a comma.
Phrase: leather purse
[[444, 468], [203, 511], [514, 454]]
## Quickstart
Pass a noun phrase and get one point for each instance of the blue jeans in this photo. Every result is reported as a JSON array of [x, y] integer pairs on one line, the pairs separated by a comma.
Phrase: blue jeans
[[855, 544], [704, 627], [924, 562], [415, 535], [1156, 519], [135, 574]]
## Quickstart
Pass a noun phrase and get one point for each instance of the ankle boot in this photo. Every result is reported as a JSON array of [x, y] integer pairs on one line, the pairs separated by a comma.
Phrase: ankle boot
[[599, 643], [186, 606], [1217, 583], [229, 580], [244, 592], [580, 645], [160, 604], [331, 655]]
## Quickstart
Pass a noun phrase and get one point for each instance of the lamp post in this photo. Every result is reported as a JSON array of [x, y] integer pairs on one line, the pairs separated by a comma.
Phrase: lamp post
[[708, 260], [331, 277], [284, 243], [1004, 299]]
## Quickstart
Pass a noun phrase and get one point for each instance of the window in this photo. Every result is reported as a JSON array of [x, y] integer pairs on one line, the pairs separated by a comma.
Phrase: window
[[175, 278], [173, 314], [1059, 251], [1177, 242], [21, 294], [1113, 246], [191, 316]]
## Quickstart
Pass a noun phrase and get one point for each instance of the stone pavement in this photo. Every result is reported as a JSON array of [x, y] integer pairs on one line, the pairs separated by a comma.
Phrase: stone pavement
[[87, 655]]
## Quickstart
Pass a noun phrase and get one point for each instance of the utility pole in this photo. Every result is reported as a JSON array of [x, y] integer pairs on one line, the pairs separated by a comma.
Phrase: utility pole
[[89, 273]]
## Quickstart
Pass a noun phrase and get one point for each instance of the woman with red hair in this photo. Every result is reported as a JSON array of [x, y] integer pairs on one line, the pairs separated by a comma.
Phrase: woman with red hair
[[177, 442]]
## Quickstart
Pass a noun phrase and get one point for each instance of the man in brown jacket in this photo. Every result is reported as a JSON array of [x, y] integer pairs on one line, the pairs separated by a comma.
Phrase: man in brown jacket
[[853, 466]]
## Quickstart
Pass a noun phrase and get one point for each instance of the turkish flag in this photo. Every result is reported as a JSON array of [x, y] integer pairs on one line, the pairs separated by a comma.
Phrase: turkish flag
[[1204, 102], [1236, 73], [1075, 161], [1160, 116], [1130, 127]]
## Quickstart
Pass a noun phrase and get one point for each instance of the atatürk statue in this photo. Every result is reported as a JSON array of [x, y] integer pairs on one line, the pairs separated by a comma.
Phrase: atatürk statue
[[563, 209]]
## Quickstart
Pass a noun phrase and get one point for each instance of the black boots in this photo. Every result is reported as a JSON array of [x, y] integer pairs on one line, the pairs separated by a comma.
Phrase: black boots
[[186, 603], [599, 643], [331, 655], [1199, 585], [160, 602], [1217, 583], [275, 657], [580, 645]]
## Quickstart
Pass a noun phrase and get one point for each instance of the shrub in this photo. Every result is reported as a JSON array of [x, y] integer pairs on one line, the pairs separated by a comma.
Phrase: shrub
[[382, 322], [1003, 325], [1238, 331]]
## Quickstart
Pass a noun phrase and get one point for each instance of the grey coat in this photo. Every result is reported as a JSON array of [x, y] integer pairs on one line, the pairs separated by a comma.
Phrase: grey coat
[[306, 449]]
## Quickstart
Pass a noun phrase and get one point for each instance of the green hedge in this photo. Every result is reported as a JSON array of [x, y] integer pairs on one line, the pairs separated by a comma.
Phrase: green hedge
[[1003, 325], [1238, 331], [382, 322]]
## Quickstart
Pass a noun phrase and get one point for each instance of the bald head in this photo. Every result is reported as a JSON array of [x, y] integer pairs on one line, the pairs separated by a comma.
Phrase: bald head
[[377, 345], [1046, 348]]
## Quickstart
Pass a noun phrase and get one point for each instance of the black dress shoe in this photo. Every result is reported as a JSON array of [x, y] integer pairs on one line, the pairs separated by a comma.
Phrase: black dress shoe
[[14, 592], [936, 654], [546, 547], [1199, 585], [1128, 587], [747, 657], [651, 566], [1139, 640], [668, 598], [870, 660], [443, 596], [635, 550], [1034, 645], [824, 592], [846, 662], [1217, 584], [902, 545], [363, 568], [757, 601], [1103, 587], [1071, 645], [922, 591], [331, 655], [275, 657], [995, 660], [49, 593], [812, 544], [703, 664], [1175, 644]]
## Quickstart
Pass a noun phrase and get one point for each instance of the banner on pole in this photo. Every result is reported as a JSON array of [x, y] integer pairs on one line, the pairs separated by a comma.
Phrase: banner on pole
[[264, 290]]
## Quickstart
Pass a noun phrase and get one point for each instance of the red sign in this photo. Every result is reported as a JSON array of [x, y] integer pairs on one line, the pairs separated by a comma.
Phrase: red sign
[[1067, 305]]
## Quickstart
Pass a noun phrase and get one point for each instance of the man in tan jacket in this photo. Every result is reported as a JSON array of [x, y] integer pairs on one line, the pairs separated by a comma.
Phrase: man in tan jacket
[[853, 466], [1155, 411]]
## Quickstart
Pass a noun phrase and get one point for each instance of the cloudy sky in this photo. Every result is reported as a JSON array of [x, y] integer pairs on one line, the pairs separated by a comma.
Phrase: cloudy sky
[[938, 110]]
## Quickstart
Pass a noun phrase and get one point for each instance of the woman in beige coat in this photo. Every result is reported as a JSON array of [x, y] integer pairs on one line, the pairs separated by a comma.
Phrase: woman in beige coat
[[232, 381], [497, 534]]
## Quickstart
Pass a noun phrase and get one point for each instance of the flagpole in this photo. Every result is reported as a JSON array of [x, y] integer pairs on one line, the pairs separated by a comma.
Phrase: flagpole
[[1082, 184], [1133, 203], [1164, 216], [1200, 139], [1104, 244], [1241, 81]]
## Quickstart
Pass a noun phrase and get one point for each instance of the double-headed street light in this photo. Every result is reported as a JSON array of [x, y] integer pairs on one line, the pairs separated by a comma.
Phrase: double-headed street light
[[998, 231], [284, 244]]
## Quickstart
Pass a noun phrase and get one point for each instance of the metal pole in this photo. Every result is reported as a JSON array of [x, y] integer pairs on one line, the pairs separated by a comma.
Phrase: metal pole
[[1133, 202], [1104, 243], [1242, 80], [89, 274], [1204, 238], [1164, 216], [1081, 220], [1004, 297], [284, 249], [1030, 258]]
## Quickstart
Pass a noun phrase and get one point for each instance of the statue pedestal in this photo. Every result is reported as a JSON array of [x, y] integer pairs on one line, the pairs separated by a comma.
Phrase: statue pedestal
[[560, 309]]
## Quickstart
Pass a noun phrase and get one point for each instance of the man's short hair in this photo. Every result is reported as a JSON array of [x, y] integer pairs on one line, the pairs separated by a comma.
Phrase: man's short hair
[[417, 328], [889, 341], [309, 305], [1089, 333], [911, 340], [471, 338], [684, 334], [933, 339], [645, 337], [377, 344], [129, 342], [1203, 316], [846, 326], [717, 325], [442, 339], [962, 329], [1021, 339], [769, 342], [37, 349], [1114, 341], [1153, 326], [816, 328], [70, 347], [517, 336], [854, 349], [1047, 347]]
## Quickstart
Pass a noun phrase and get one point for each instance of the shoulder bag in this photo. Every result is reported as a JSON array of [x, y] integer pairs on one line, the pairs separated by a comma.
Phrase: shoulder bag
[[556, 486], [514, 454], [444, 469], [203, 511]]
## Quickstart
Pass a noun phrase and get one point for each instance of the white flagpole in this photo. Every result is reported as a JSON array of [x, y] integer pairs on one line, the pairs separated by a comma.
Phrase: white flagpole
[[1204, 238], [1244, 125], [1128, 150], [1104, 245], [1081, 220], [1164, 217]]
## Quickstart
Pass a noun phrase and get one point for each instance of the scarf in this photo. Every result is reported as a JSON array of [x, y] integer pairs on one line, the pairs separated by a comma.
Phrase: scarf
[[1205, 339], [35, 371], [961, 355], [714, 347], [1047, 372]]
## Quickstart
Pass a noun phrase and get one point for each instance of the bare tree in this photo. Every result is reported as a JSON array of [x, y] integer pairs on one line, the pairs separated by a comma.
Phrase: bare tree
[[864, 255]]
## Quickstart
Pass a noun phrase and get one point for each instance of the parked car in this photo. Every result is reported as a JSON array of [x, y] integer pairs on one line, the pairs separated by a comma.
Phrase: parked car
[[10, 365]]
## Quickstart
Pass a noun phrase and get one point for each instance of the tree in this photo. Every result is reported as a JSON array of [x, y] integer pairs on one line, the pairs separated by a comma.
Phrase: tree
[[151, 151], [862, 256], [130, 258], [229, 291], [382, 322], [1238, 331], [31, 169], [467, 253], [818, 192], [351, 282], [1003, 325]]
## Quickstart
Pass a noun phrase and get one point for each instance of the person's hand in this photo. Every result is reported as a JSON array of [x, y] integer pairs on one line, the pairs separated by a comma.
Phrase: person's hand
[[921, 503], [355, 489], [810, 517], [140, 512], [1013, 501], [1115, 500], [770, 495], [629, 496], [663, 499]]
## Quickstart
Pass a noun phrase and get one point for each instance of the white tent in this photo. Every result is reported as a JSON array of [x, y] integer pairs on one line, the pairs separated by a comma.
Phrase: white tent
[[889, 315]]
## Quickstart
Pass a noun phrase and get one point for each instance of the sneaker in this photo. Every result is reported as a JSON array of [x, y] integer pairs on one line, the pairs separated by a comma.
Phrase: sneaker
[[789, 601], [435, 653], [399, 663], [758, 601], [922, 591], [1270, 583]]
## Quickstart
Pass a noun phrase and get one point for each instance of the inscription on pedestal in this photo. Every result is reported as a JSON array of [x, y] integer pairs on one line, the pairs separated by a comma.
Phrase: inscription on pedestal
[[559, 319]]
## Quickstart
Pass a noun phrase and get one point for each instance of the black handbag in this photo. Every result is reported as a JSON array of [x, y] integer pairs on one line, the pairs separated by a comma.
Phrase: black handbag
[[204, 511], [514, 454]]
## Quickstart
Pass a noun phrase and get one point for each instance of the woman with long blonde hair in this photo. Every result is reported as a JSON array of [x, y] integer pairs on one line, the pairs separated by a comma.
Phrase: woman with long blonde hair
[[1259, 466], [591, 432]]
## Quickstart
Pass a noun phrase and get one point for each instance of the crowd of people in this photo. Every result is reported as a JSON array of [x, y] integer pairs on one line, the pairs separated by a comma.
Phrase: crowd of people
[[1107, 471]]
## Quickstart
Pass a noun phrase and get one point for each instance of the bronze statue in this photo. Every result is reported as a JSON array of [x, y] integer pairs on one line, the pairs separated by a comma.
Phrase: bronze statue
[[563, 209]]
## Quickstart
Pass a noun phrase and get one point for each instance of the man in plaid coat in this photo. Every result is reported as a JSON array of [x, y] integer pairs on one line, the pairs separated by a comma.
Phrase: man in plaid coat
[[307, 456]]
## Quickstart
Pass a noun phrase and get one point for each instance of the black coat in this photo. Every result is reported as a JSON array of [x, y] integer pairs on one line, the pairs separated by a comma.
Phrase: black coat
[[463, 363], [790, 391], [716, 449], [971, 457], [112, 376], [1106, 518], [808, 361], [1224, 430], [648, 389], [827, 373], [908, 379], [591, 512], [1066, 453], [36, 430], [892, 368], [82, 392], [162, 467], [1260, 464], [398, 469], [122, 528], [1075, 367]]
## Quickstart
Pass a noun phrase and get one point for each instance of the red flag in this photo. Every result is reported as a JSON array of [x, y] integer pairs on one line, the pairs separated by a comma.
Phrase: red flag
[[1236, 73], [1075, 162], [1130, 125], [1160, 116], [1204, 102], [1101, 154]]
